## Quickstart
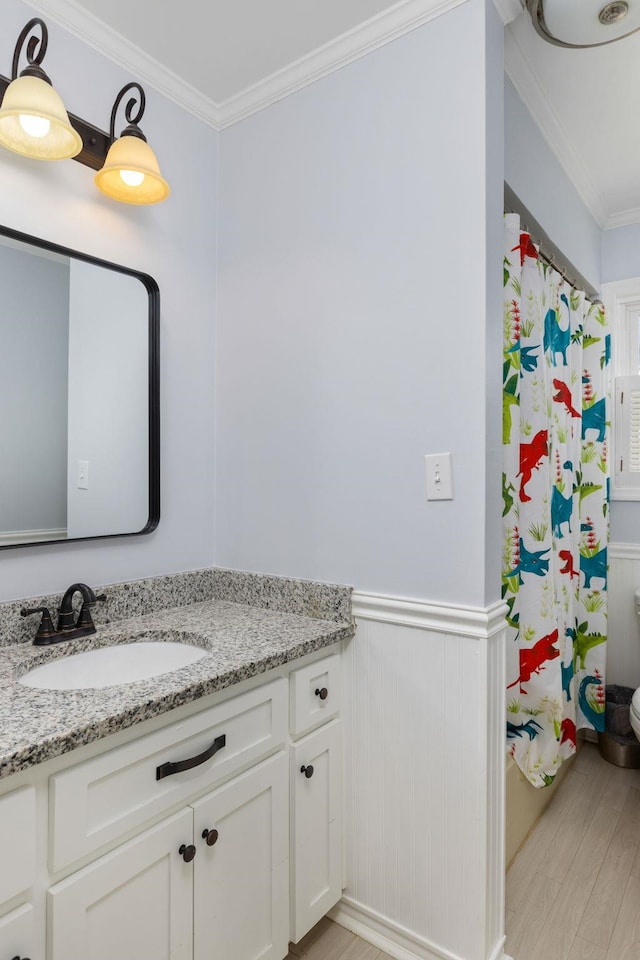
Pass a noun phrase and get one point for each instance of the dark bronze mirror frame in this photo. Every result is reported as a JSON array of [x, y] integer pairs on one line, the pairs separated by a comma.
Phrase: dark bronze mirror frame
[[153, 383]]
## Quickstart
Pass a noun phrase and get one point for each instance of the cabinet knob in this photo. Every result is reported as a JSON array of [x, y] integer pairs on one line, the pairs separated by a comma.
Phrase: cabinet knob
[[308, 771], [210, 836], [187, 852], [322, 692]]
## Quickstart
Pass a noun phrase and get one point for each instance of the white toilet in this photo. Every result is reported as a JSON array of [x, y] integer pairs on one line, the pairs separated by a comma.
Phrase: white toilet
[[634, 713]]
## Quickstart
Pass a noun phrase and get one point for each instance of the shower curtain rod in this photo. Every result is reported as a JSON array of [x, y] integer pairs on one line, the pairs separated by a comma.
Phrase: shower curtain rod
[[547, 249]]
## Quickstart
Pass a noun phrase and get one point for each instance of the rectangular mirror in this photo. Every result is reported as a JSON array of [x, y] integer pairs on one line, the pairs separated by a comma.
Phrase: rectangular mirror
[[79, 396]]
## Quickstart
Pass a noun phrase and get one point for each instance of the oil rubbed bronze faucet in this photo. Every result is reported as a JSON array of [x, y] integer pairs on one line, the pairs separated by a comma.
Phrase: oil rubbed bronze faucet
[[66, 628]]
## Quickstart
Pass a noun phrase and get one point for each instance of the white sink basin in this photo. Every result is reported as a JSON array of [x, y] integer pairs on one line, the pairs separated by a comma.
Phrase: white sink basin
[[110, 666]]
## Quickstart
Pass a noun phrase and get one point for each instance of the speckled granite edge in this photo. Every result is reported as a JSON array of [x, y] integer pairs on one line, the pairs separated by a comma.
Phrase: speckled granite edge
[[307, 598]]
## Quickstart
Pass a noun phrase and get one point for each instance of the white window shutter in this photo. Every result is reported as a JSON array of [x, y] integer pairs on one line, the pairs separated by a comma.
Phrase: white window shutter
[[626, 468]]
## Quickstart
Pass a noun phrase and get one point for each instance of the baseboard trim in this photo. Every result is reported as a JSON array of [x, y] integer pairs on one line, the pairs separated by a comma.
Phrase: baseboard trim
[[480, 623], [498, 953], [390, 937], [393, 939]]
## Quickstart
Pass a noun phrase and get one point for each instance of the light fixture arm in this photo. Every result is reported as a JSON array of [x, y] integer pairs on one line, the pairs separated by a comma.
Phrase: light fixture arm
[[132, 129], [36, 50]]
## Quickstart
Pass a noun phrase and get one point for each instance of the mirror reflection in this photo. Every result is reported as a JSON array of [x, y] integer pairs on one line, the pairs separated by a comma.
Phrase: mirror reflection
[[79, 405]]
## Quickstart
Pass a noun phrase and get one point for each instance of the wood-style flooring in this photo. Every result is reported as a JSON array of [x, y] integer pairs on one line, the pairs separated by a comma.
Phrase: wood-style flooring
[[329, 941], [573, 890]]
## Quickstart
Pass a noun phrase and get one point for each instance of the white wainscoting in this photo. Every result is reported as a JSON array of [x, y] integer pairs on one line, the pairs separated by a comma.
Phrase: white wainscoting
[[425, 779], [623, 646]]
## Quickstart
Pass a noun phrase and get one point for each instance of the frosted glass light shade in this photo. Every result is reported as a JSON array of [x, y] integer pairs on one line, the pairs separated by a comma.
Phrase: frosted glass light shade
[[576, 22], [131, 155], [31, 97]]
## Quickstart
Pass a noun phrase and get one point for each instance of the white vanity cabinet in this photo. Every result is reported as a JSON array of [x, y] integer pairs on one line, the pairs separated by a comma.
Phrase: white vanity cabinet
[[17, 872], [241, 869], [133, 902], [316, 826], [186, 888], [316, 793], [17, 842], [200, 838], [17, 935]]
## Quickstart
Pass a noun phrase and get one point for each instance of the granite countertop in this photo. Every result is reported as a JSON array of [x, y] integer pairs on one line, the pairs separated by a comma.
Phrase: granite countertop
[[241, 641]]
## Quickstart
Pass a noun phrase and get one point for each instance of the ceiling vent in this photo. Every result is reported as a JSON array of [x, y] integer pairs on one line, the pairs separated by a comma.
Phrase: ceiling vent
[[584, 23]]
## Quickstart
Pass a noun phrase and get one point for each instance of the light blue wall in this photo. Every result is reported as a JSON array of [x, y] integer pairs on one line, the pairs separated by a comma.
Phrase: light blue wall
[[352, 322], [537, 178], [621, 253], [494, 332], [176, 243]]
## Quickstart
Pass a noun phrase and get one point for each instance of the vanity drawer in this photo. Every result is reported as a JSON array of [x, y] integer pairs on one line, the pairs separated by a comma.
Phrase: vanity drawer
[[97, 802], [17, 842], [17, 933], [315, 694]]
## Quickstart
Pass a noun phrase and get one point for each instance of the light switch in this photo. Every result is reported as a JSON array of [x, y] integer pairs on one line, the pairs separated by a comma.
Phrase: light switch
[[439, 476], [83, 474]]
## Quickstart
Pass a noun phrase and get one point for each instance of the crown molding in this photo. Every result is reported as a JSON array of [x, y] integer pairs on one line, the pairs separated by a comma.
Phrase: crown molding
[[623, 218], [110, 43], [402, 17], [509, 9], [524, 78]]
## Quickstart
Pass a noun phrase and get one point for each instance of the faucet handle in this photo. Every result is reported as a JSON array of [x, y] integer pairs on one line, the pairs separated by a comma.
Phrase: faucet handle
[[85, 619], [45, 629]]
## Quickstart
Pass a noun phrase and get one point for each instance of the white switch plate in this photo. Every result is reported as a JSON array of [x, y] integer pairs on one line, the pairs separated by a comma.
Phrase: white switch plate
[[83, 474], [439, 476]]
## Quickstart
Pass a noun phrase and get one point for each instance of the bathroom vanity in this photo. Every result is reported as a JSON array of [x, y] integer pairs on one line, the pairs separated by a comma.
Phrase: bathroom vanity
[[191, 815]]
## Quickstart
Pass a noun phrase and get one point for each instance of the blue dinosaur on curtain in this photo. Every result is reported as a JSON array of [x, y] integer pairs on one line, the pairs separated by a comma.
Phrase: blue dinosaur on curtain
[[556, 390]]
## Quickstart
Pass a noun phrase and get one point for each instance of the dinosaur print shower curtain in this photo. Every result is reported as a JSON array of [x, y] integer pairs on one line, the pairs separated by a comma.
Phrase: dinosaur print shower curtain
[[556, 508]]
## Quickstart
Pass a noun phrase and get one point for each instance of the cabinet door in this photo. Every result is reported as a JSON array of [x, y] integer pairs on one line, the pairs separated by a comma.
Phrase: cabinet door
[[316, 827], [17, 842], [241, 881], [133, 902], [315, 694], [17, 934]]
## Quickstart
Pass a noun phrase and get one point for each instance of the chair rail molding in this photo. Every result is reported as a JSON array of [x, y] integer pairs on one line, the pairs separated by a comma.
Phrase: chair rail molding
[[624, 551], [475, 622]]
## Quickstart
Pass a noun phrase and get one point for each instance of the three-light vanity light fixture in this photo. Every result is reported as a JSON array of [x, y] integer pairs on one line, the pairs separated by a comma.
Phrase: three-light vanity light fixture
[[35, 123]]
